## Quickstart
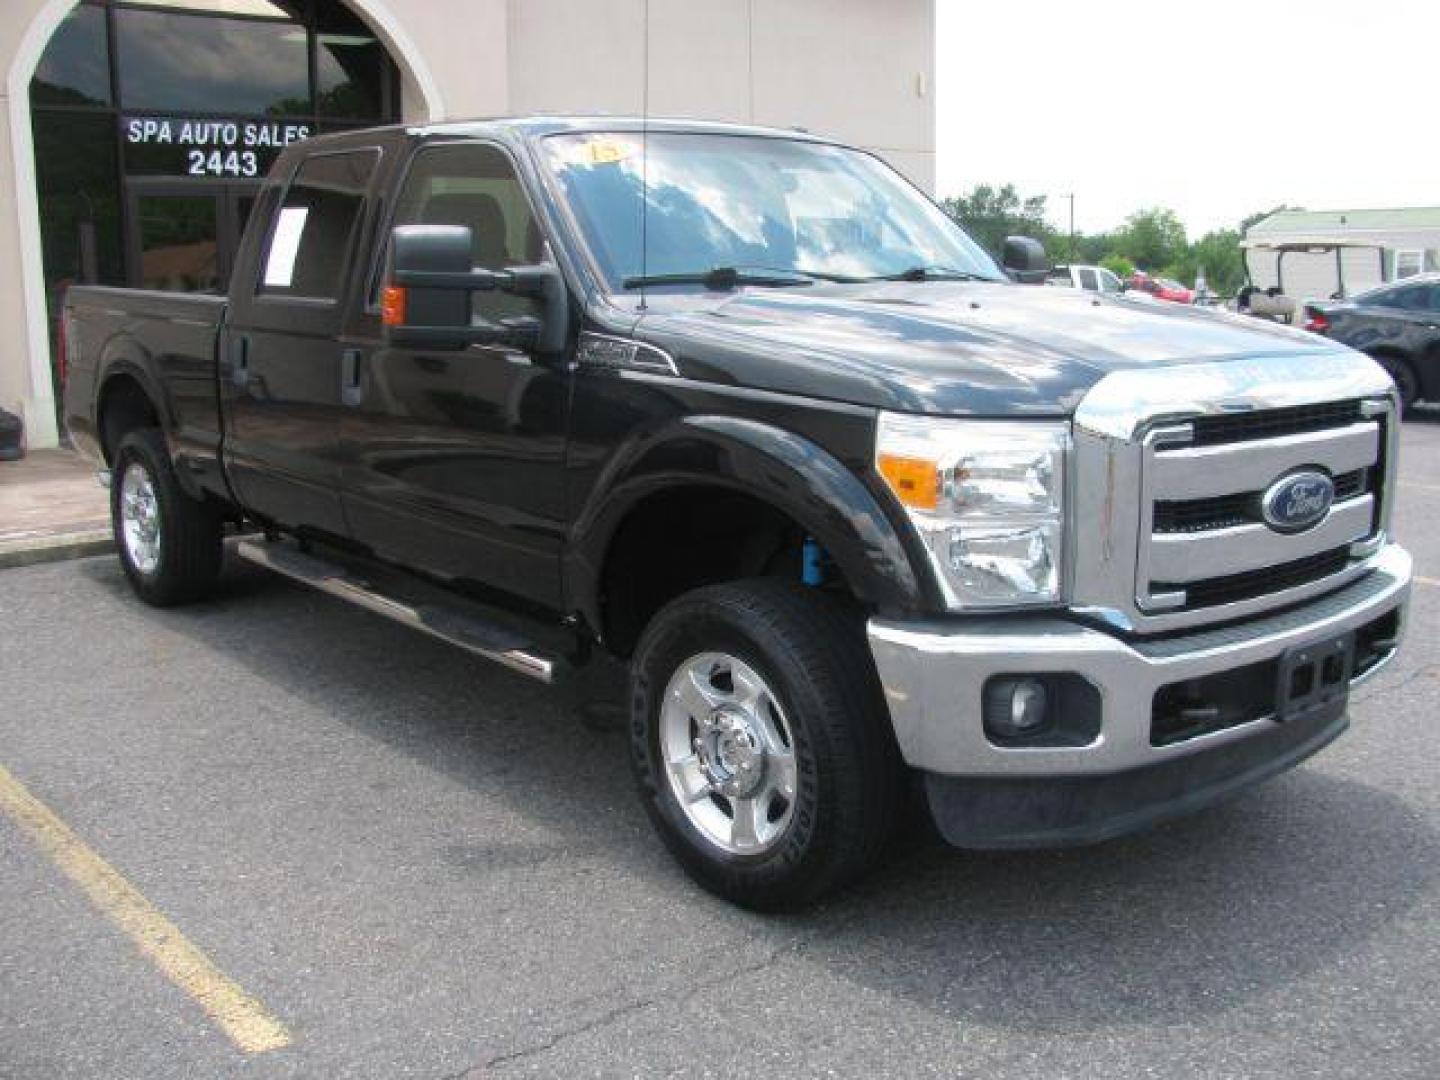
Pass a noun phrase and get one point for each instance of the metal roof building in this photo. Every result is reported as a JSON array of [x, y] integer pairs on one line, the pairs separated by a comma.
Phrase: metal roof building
[[1378, 246]]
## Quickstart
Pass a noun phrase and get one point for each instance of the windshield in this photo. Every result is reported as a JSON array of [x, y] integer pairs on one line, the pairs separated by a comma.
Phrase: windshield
[[751, 203]]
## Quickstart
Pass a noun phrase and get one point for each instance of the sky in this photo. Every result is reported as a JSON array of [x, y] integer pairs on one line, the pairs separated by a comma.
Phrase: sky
[[1214, 110]]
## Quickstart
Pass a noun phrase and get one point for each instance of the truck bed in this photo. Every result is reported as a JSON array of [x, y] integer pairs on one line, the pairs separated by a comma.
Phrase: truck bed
[[164, 341]]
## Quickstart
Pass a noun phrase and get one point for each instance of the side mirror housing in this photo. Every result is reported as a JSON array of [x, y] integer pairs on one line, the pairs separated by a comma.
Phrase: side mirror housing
[[430, 279], [1024, 260]]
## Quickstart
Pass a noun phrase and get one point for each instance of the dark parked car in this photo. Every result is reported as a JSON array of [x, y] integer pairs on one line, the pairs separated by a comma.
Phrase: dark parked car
[[1397, 324]]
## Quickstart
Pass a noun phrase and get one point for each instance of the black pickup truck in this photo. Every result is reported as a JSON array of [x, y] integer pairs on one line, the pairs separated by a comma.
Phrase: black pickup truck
[[744, 408]]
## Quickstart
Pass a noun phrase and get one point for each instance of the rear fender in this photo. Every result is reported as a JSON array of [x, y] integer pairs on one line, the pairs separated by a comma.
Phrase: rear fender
[[124, 357]]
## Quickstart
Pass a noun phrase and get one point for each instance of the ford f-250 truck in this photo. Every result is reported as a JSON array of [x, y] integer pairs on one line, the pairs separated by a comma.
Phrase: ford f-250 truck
[[745, 409]]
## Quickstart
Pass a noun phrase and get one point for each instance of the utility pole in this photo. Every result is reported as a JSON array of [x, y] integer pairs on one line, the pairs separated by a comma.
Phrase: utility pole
[[1071, 197]]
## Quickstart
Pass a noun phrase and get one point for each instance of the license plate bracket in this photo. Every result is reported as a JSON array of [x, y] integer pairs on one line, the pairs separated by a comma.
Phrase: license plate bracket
[[1313, 675]]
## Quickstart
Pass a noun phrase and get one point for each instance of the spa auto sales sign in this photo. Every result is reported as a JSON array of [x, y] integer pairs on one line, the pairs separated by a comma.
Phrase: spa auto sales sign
[[175, 146]]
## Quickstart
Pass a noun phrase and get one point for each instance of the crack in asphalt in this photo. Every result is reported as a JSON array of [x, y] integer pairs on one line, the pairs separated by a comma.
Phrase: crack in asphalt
[[787, 951], [1385, 688]]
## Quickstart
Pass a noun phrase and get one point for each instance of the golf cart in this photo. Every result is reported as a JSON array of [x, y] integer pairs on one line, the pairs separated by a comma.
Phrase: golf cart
[[1273, 302]]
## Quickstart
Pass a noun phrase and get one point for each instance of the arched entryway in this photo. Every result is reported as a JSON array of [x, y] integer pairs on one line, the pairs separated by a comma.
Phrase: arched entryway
[[142, 129]]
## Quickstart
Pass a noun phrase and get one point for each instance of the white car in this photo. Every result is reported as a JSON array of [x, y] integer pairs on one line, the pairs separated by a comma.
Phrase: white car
[[1090, 278]]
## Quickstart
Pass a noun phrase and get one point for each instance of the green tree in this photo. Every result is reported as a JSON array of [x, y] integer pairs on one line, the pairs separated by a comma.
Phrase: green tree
[[1152, 239], [990, 214], [1118, 265], [1218, 255]]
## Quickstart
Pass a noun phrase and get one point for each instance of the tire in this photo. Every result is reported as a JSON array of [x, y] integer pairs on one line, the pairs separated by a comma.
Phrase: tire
[[1405, 380], [169, 543], [821, 723]]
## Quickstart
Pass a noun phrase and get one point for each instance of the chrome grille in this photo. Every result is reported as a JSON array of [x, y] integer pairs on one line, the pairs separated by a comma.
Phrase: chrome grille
[[1240, 508], [1267, 423], [1204, 541], [1165, 530]]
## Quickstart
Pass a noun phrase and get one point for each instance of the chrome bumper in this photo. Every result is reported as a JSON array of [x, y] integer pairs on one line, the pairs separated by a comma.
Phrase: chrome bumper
[[933, 674]]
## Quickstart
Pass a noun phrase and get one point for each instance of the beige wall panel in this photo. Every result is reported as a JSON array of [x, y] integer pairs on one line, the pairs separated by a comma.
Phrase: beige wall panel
[[859, 70], [918, 167], [700, 59], [576, 56], [464, 44]]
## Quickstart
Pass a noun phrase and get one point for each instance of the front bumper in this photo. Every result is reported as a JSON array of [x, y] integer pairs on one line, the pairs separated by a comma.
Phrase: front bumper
[[933, 674]]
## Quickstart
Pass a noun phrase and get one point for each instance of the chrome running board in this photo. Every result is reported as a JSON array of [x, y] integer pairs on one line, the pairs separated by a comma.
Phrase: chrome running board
[[452, 624]]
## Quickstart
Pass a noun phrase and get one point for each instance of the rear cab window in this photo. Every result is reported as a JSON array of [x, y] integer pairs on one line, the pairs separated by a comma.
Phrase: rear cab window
[[316, 225]]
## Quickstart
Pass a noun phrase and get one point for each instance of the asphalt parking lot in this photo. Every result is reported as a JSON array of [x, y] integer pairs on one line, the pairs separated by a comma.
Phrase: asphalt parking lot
[[417, 864]]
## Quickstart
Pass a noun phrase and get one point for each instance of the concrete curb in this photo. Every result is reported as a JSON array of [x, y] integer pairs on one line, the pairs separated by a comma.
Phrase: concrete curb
[[32, 550]]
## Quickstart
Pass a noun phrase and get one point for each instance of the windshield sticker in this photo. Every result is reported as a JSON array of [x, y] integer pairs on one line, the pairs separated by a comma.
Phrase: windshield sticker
[[602, 150]]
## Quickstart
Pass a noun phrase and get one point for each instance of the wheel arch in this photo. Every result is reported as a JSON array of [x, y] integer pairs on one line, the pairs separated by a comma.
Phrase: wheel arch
[[1427, 381], [720, 462], [129, 393]]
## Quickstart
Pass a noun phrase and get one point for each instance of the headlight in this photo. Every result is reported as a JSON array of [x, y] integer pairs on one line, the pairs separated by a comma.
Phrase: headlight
[[987, 497]]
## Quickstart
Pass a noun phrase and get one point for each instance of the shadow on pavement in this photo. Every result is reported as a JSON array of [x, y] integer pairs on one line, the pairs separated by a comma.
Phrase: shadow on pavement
[[1197, 917]]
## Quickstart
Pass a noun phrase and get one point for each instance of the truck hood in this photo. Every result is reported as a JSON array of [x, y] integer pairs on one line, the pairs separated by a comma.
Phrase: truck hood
[[951, 348]]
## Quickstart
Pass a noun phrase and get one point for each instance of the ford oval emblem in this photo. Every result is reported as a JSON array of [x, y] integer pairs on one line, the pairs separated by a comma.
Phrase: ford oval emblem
[[1297, 501]]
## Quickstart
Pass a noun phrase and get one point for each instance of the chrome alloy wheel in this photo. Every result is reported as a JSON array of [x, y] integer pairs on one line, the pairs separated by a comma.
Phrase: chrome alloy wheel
[[140, 519], [729, 753]]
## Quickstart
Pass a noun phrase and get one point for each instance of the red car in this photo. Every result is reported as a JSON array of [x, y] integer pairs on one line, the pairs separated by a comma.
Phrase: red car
[[1161, 288]]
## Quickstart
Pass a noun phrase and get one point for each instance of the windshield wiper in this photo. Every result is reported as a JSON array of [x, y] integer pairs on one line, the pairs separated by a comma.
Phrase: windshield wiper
[[932, 273], [724, 277]]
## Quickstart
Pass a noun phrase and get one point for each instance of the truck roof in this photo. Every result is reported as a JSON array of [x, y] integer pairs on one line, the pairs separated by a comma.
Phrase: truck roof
[[551, 124]]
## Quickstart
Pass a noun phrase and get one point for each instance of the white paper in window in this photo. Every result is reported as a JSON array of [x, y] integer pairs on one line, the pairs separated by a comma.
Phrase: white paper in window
[[284, 245]]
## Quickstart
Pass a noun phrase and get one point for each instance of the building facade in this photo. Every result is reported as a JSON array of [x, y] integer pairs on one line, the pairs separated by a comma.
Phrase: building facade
[[134, 133]]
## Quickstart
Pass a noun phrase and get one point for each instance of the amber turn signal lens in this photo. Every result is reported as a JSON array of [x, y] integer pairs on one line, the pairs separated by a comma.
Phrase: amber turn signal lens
[[915, 481], [392, 306]]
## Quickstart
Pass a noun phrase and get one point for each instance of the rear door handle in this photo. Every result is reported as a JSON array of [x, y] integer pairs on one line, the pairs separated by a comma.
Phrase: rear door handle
[[240, 362], [352, 363]]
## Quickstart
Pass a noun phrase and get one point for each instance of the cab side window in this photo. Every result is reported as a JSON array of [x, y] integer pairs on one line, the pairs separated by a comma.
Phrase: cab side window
[[313, 230], [475, 185]]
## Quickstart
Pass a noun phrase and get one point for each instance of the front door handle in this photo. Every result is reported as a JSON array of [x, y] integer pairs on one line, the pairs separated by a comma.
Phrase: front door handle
[[351, 371]]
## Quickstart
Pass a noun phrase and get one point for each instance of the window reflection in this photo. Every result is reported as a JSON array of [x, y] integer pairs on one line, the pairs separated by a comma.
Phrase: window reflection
[[75, 176], [214, 65], [178, 249], [265, 9], [750, 202], [75, 69], [348, 75]]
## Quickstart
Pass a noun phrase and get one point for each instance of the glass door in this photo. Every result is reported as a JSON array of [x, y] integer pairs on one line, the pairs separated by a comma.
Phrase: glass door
[[182, 236]]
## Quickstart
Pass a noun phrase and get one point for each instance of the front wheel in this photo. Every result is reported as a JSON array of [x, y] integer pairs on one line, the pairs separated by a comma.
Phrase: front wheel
[[169, 543], [761, 743]]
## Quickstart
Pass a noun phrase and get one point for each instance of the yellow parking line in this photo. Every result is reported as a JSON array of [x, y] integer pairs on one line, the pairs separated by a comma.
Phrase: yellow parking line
[[235, 1012], [1419, 580]]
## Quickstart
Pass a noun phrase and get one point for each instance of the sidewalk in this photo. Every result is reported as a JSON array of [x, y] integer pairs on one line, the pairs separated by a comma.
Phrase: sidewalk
[[51, 507]]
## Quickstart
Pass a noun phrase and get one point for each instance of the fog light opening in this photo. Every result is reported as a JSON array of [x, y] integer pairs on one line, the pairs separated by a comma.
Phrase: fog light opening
[[1016, 708]]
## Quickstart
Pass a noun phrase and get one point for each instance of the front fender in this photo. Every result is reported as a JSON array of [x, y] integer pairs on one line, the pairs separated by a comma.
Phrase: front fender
[[791, 473]]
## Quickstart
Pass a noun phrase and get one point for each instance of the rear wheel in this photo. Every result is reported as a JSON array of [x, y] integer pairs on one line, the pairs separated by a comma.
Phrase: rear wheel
[[760, 742], [1405, 380], [169, 543]]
